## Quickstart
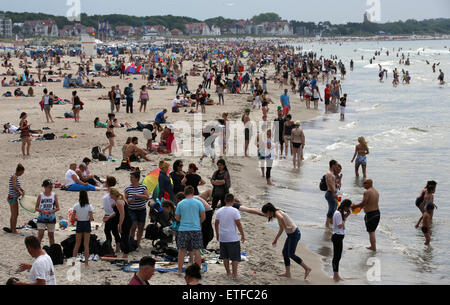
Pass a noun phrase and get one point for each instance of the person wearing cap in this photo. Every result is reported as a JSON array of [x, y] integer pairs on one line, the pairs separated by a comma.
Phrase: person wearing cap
[[145, 273], [47, 205], [298, 143]]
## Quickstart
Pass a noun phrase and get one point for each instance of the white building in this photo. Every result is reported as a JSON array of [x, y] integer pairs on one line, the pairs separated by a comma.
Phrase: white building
[[88, 45], [5, 26]]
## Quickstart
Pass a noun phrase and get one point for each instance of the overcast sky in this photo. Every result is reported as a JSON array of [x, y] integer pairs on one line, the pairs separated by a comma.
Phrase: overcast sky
[[335, 11]]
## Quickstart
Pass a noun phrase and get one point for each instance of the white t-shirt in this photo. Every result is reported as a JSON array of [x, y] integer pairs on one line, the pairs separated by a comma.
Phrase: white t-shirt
[[227, 225], [83, 212], [337, 220], [43, 269], [175, 103], [69, 179], [13, 129], [108, 203]]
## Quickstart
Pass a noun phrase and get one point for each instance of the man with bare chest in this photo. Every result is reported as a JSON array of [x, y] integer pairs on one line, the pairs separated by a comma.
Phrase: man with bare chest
[[371, 209]]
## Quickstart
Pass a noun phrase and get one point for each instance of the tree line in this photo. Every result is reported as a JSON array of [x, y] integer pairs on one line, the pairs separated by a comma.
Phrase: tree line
[[408, 27]]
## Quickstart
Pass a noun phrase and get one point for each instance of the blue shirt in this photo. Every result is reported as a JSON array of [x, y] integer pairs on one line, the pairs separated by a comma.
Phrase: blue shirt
[[189, 210], [285, 100], [160, 118], [313, 83]]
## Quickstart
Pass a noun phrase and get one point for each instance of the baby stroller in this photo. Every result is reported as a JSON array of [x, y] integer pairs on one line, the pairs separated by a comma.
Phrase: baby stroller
[[159, 231]]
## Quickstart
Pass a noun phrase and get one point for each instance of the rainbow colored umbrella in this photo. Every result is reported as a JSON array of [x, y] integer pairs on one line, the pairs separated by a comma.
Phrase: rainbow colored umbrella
[[152, 184]]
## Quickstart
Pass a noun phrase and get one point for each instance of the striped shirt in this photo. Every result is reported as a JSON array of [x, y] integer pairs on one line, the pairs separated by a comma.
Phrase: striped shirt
[[12, 192], [137, 203]]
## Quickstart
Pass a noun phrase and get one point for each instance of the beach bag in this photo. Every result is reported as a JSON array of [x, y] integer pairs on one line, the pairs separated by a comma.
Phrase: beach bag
[[323, 184], [152, 232], [106, 248], [133, 244], [124, 165], [56, 254], [102, 157], [33, 223], [95, 152], [49, 136], [68, 244]]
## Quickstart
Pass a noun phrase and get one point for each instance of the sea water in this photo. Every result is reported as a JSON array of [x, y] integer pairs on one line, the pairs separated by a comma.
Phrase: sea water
[[408, 129]]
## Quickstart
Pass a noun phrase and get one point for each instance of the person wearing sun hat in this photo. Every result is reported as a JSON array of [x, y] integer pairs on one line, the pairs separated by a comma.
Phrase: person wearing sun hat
[[298, 143]]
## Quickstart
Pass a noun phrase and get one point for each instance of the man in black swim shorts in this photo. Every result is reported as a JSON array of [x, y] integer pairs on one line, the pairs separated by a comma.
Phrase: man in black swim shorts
[[370, 206]]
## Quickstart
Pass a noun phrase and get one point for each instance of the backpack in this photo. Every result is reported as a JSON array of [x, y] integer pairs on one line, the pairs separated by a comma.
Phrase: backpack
[[68, 244], [323, 184], [102, 157], [49, 136], [56, 254], [152, 232], [95, 152], [106, 248], [127, 91]]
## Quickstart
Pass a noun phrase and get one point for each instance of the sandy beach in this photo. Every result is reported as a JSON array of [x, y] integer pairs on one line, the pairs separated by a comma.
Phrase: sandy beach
[[51, 159]]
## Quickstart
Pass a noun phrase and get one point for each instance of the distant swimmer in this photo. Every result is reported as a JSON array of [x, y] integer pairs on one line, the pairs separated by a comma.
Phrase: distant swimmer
[[372, 211], [441, 77], [361, 152], [434, 67]]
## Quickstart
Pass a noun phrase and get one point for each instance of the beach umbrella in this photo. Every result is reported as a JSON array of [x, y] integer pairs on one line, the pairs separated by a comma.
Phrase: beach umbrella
[[152, 184]]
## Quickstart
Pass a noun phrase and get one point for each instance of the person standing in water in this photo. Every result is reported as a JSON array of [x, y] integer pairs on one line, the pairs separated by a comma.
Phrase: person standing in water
[[339, 219], [427, 221], [293, 237], [331, 194], [441, 77], [298, 143], [361, 150], [425, 198], [370, 206]]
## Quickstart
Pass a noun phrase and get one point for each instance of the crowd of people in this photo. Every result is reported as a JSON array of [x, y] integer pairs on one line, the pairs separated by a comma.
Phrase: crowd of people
[[190, 212]]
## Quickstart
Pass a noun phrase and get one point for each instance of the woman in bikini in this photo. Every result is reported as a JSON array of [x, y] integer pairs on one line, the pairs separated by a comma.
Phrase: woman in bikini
[[25, 134], [110, 134], [361, 150], [298, 143]]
